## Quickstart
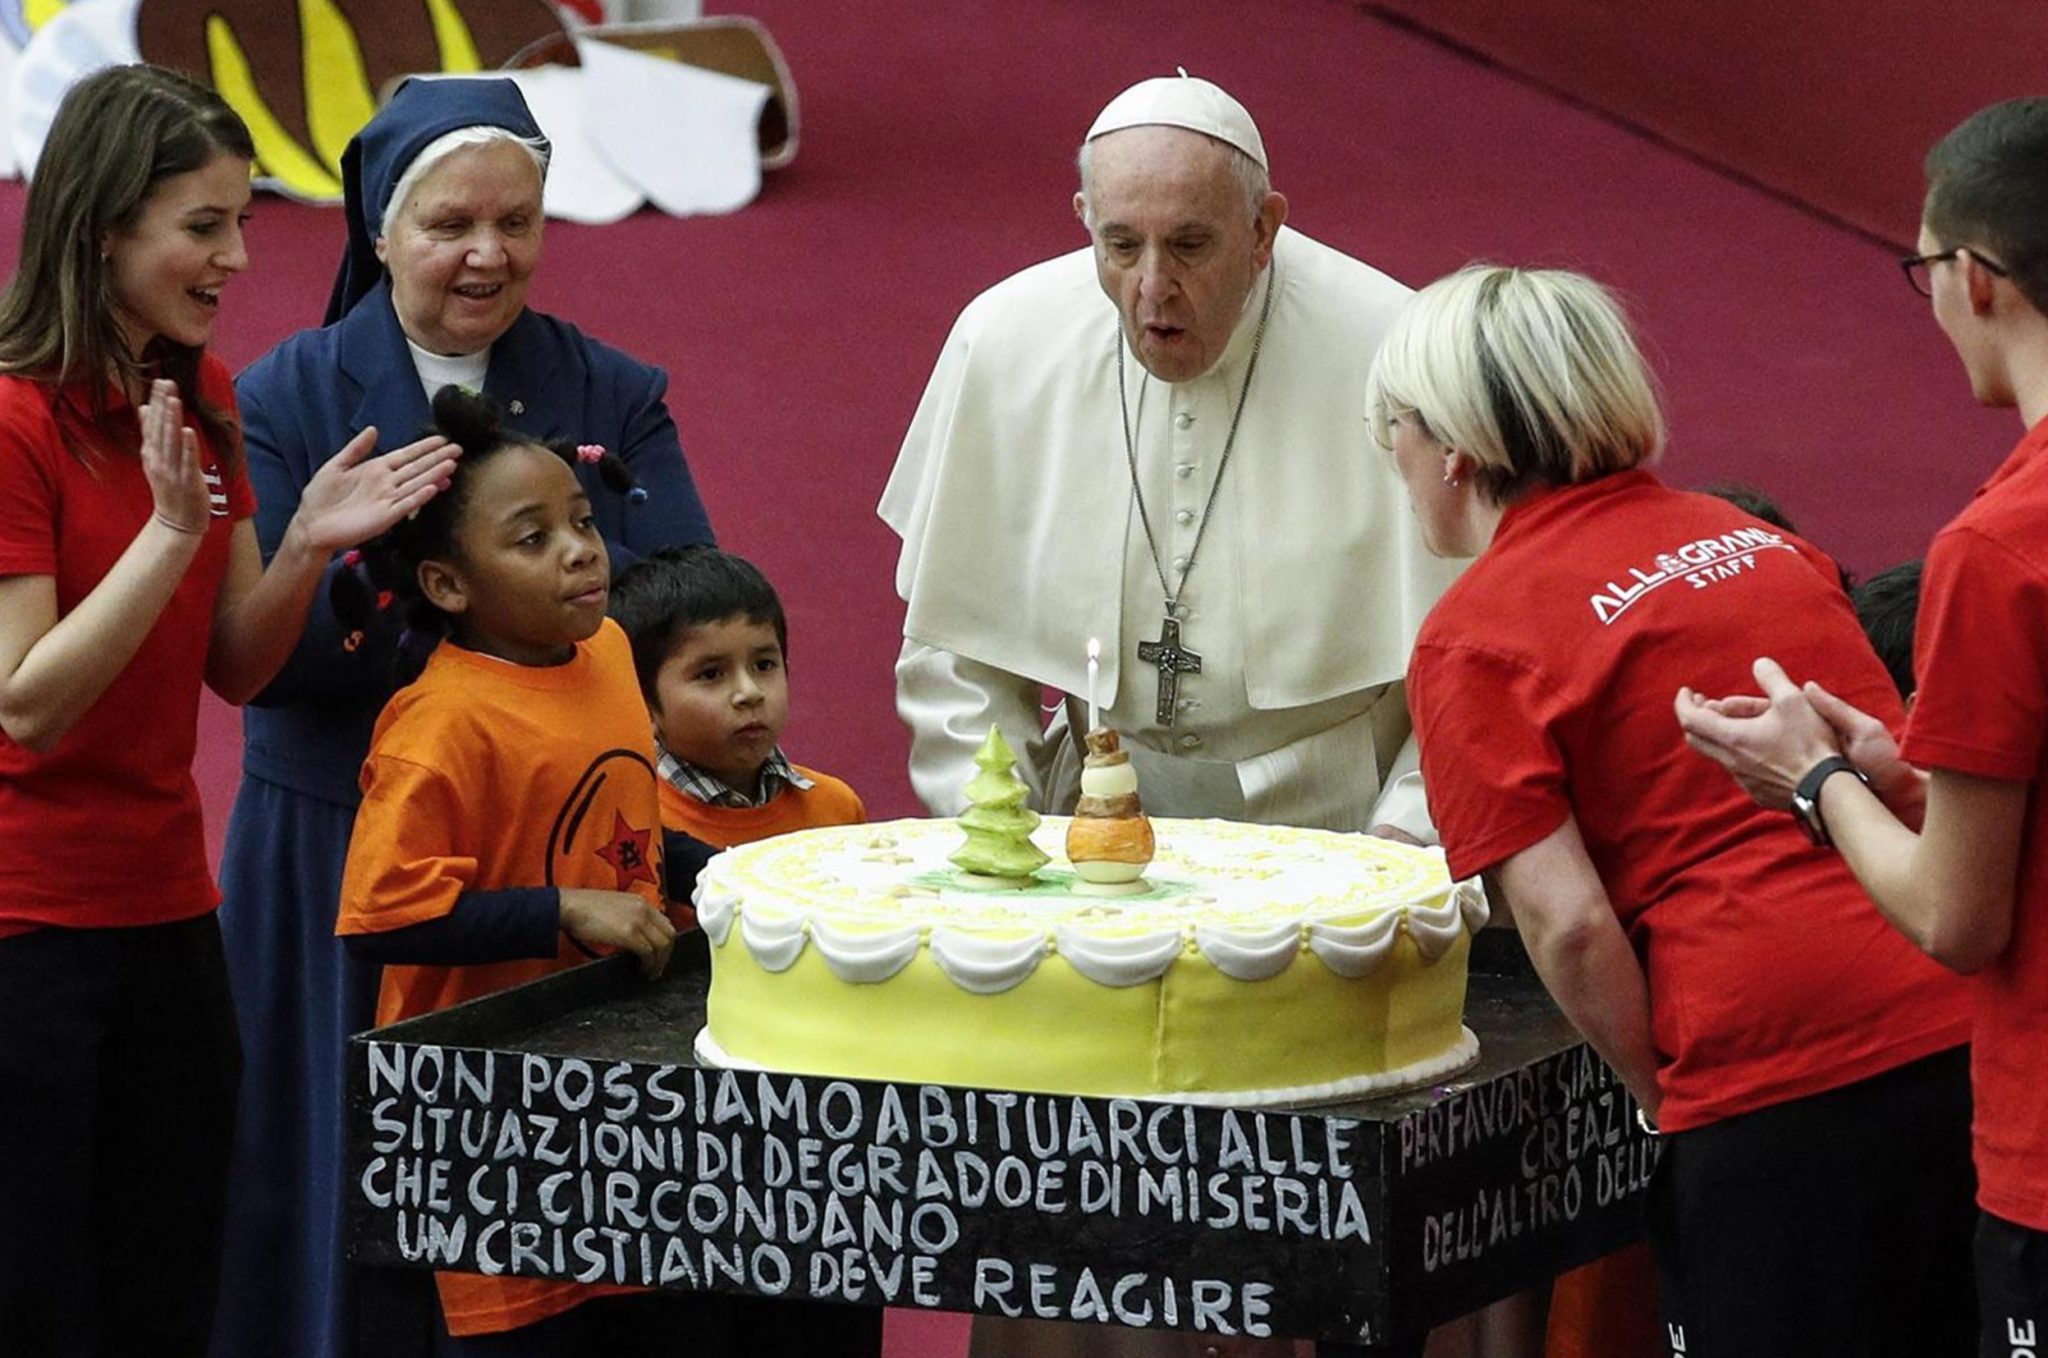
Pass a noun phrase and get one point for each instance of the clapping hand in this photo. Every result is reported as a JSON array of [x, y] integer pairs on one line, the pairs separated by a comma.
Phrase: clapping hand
[[356, 496], [1770, 742], [170, 462]]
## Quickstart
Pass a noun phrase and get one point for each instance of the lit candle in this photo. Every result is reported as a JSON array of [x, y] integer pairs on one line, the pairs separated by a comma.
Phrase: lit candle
[[1094, 664]]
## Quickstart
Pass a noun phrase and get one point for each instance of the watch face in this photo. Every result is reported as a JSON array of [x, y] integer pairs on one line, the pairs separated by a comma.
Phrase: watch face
[[1807, 812]]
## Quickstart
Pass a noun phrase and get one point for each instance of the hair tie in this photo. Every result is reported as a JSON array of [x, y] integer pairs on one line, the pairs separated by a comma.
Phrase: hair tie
[[637, 495], [352, 558], [592, 453]]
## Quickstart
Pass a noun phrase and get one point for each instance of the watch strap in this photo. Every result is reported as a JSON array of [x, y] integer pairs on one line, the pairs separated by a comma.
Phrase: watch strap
[[1806, 797]]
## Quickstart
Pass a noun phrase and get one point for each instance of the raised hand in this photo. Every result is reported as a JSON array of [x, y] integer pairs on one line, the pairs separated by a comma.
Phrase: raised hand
[[1768, 744], [1870, 746], [619, 919], [356, 496], [170, 462]]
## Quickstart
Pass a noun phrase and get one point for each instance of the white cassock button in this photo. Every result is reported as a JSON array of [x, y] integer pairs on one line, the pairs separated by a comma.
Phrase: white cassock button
[[1185, 517], [1183, 420], [1184, 470], [1190, 741], [1180, 563]]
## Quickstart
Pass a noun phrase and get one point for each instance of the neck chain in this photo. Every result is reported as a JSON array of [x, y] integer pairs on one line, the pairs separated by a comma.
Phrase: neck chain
[[1171, 658]]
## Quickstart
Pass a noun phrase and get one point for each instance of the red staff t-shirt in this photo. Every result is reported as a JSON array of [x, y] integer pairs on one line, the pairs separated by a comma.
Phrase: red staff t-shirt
[[1542, 687], [1980, 658], [105, 828]]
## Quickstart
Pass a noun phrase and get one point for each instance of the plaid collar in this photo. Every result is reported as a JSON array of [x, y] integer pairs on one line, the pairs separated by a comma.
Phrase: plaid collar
[[712, 790]]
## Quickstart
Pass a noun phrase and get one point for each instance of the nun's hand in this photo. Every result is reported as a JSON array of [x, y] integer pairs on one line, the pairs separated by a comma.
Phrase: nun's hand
[[356, 496]]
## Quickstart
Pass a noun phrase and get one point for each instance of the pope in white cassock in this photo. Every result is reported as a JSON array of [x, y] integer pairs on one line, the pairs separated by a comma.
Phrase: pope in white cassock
[[1160, 441]]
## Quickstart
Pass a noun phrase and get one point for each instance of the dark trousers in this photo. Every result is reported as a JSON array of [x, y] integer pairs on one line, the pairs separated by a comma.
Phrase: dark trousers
[[1835, 1224], [118, 1067], [683, 1325], [2012, 1289]]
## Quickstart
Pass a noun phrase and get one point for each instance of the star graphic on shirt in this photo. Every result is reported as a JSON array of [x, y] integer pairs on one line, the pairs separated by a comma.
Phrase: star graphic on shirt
[[627, 853]]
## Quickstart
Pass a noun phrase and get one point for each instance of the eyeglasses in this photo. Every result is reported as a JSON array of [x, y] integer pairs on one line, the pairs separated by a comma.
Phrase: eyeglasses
[[1918, 276]]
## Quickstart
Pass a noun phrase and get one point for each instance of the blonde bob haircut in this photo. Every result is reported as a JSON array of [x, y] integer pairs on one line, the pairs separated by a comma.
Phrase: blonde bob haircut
[[1533, 373]]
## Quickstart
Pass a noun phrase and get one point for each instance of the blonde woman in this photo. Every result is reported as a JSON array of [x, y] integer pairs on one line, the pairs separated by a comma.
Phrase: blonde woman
[[1804, 1063]]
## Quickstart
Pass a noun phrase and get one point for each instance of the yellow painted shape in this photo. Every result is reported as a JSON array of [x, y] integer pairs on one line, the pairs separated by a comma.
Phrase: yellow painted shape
[[451, 34], [277, 151], [40, 12], [338, 99]]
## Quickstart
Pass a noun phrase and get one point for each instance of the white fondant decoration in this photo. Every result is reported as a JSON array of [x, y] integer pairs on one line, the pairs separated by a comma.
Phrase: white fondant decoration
[[866, 956], [79, 39], [715, 911], [776, 941], [1250, 954], [1120, 961], [985, 965], [1473, 904], [1436, 927], [1109, 780], [582, 186], [1353, 950], [687, 137]]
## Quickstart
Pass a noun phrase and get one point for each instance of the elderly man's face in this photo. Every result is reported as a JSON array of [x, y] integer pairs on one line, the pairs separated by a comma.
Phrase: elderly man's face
[[463, 247], [1177, 246]]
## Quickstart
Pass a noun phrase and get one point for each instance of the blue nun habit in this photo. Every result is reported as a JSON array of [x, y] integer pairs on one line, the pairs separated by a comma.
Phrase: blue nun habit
[[286, 1288]]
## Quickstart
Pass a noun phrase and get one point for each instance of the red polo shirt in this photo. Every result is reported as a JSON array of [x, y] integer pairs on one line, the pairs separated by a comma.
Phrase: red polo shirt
[[1980, 658], [105, 829], [1542, 688]]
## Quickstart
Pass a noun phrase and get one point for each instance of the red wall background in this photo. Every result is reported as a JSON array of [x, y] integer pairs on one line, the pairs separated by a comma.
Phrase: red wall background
[[1830, 102]]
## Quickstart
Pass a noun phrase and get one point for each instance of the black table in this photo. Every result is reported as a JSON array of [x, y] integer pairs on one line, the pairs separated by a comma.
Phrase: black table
[[564, 1129]]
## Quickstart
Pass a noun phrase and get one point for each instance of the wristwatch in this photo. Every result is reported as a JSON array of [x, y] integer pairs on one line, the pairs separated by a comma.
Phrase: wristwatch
[[1806, 797]]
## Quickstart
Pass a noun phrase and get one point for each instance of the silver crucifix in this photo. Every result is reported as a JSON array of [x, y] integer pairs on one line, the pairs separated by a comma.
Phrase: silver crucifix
[[1173, 660]]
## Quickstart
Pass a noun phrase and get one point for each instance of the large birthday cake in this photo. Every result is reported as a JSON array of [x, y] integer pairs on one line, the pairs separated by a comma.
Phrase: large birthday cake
[[1250, 963]]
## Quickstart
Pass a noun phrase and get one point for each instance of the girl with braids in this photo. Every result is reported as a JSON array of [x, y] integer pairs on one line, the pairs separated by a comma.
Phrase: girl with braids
[[129, 574], [510, 824]]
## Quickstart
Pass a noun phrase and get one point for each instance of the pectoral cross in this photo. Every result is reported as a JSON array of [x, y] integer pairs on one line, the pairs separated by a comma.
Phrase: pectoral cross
[[1173, 660]]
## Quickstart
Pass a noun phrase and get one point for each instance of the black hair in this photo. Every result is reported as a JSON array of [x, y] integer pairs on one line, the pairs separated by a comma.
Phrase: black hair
[[664, 595], [1987, 187], [1887, 604], [1752, 502], [385, 570], [1758, 505]]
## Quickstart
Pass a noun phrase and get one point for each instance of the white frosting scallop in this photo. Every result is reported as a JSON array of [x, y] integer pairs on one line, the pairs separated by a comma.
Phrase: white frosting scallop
[[1249, 954], [776, 941], [983, 964], [1250, 898], [1353, 950], [866, 956], [715, 911], [1127, 961], [1436, 927], [1473, 904]]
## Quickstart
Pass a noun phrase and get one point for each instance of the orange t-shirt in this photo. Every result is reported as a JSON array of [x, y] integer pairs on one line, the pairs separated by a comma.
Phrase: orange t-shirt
[[827, 801], [485, 775]]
